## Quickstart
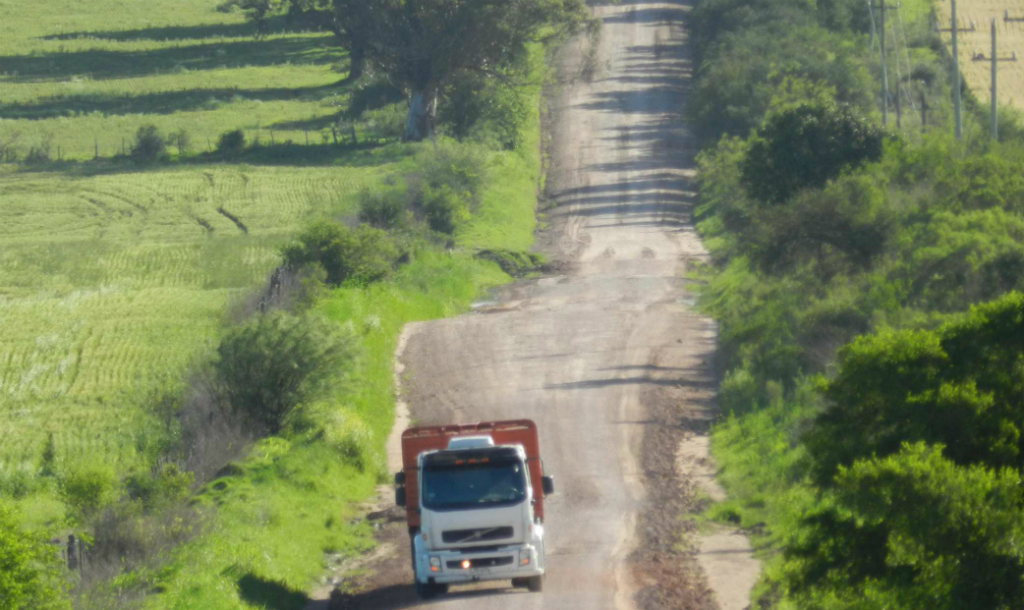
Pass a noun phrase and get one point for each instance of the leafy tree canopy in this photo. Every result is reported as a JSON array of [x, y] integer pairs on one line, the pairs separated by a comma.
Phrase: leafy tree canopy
[[961, 386], [30, 570], [423, 45], [912, 530], [805, 147]]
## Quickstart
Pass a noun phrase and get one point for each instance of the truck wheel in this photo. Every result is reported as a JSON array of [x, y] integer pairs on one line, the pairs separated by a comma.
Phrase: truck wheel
[[519, 583], [426, 591], [535, 584]]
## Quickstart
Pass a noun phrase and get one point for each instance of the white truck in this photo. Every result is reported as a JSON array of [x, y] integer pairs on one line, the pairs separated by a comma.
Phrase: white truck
[[474, 500]]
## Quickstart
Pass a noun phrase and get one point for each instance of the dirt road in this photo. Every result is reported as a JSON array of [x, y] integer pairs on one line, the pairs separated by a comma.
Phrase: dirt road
[[608, 357]]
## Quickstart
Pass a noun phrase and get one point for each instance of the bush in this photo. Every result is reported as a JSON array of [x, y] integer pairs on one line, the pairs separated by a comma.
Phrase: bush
[[444, 208], [168, 485], [382, 208], [86, 489], [149, 146], [460, 167], [30, 570], [41, 151], [805, 147], [485, 110], [231, 142], [277, 361], [362, 255], [347, 434], [739, 392], [516, 264]]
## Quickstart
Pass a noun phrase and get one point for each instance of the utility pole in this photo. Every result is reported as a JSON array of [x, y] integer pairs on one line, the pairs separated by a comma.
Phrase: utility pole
[[954, 27], [899, 110], [994, 128], [994, 59], [885, 68], [924, 113], [885, 72]]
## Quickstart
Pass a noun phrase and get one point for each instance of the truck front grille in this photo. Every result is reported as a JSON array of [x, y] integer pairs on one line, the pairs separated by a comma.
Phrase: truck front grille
[[484, 562], [476, 535]]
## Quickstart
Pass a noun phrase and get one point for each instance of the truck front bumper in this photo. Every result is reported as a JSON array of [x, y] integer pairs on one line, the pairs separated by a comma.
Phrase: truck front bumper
[[453, 567]]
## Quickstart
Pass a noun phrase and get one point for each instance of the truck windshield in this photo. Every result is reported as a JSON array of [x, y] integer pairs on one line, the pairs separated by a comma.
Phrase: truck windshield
[[450, 487]]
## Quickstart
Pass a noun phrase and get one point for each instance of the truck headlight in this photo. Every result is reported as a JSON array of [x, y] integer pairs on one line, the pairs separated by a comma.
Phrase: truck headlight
[[524, 557], [435, 564]]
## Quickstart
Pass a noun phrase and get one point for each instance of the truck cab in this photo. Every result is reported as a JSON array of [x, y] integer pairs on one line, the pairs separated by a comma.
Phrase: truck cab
[[474, 508]]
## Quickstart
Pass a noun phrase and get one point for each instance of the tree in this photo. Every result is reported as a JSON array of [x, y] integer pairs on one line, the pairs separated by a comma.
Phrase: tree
[[960, 387], [30, 569], [423, 45], [805, 147], [912, 530], [149, 146], [277, 361]]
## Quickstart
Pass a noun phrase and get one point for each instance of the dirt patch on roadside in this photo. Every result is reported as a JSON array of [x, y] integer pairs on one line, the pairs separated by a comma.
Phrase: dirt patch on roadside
[[665, 565]]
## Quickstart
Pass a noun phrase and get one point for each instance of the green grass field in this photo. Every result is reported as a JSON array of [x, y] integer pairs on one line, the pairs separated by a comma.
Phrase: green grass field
[[86, 75], [109, 282], [112, 277]]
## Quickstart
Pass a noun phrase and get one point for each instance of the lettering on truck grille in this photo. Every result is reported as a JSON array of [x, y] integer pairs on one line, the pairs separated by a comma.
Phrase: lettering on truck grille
[[476, 535]]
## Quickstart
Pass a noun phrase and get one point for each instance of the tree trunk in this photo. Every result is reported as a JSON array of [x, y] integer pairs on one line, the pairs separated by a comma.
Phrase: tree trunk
[[422, 110], [356, 64]]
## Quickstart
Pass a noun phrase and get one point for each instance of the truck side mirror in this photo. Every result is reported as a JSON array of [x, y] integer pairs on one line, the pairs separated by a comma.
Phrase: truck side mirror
[[400, 496], [400, 478], [548, 484]]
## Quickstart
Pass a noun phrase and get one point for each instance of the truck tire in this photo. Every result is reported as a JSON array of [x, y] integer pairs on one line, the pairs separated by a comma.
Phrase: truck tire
[[427, 591], [520, 583], [535, 584]]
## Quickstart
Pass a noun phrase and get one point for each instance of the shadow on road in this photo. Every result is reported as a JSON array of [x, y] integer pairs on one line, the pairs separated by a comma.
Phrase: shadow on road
[[396, 597], [269, 594]]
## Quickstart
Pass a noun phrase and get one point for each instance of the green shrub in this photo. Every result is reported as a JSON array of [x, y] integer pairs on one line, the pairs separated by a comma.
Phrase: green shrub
[[738, 392], [444, 208], [86, 489], [387, 123], [347, 434], [460, 167], [30, 568], [168, 485], [363, 254], [958, 387], [313, 283], [805, 147], [516, 264], [231, 142], [911, 530], [149, 146], [384, 208], [48, 462], [277, 361], [486, 110]]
